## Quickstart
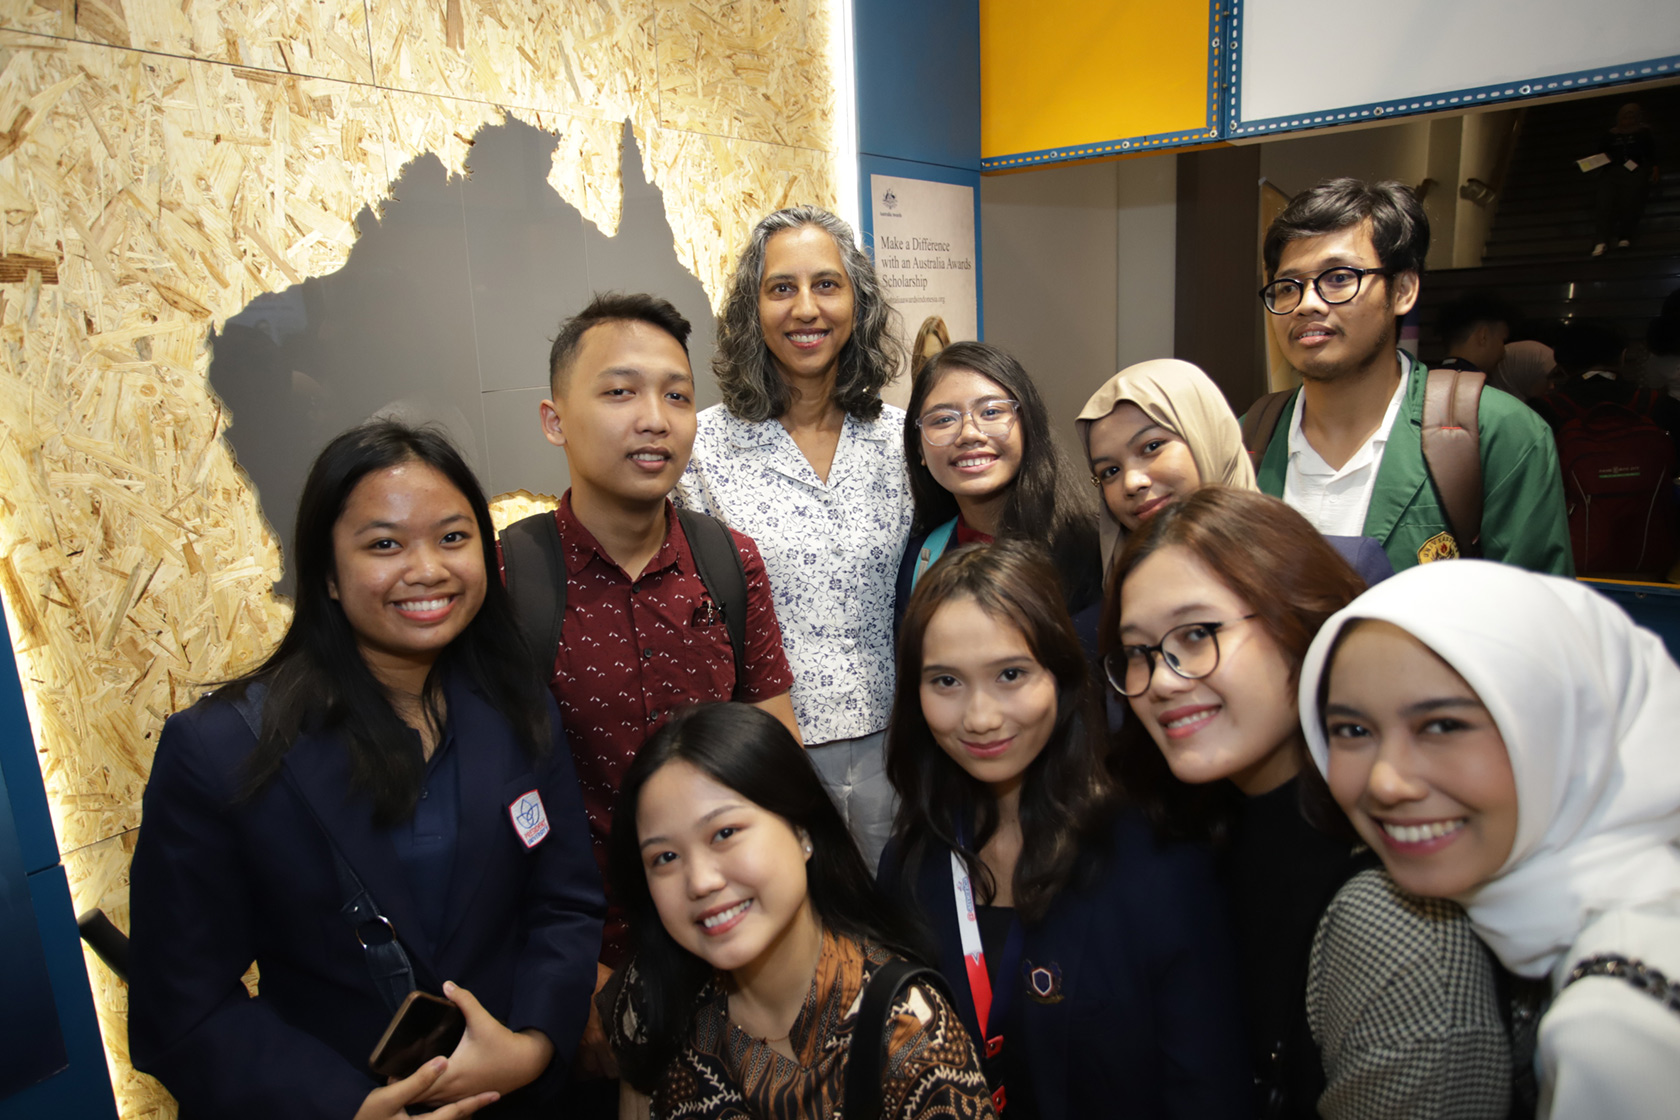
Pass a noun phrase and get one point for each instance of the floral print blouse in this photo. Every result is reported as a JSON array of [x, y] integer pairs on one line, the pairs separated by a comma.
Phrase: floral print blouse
[[831, 549]]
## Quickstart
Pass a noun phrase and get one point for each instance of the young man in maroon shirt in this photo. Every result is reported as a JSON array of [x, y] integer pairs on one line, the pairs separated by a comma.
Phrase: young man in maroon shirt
[[640, 637]]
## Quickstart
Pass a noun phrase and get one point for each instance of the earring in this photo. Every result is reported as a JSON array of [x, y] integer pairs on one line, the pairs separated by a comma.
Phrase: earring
[[807, 849]]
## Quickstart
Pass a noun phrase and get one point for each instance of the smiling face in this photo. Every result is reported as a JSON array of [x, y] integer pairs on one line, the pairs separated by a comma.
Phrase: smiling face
[[727, 877], [1239, 721], [1326, 340], [1141, 466], [624, 413], [408, 567], [977, 466], [988, 702], [1417, 763], [805, 303]]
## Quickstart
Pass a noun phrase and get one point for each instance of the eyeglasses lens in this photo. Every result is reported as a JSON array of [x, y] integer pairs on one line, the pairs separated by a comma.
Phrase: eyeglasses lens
[[943, 427], [1282, 296], [1191, 651]]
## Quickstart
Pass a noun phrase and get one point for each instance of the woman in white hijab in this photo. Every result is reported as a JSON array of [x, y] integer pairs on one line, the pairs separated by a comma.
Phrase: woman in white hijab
[[1512, 741]]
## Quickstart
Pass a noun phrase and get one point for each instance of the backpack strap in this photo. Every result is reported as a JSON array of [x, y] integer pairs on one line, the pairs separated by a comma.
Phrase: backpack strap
[[387, 961], [536, 579], [1260, 422], [862, 1100], [1564, 405], [721, 570], [1452, 448], [932, 549]]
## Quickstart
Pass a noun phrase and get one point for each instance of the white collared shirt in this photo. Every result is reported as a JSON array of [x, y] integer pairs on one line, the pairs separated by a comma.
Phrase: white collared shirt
[[1336, 501], [831, 549]]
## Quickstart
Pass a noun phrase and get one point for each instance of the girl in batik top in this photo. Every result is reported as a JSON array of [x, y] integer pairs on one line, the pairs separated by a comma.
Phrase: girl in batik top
[[756, 926]]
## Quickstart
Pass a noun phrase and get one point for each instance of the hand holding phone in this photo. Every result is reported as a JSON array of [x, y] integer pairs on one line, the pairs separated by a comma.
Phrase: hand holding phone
[[490, 1056], [390, 1102], [424, 1027]]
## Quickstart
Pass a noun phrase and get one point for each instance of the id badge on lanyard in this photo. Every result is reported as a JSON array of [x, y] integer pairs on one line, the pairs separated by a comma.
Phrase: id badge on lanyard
[[988, 1012]]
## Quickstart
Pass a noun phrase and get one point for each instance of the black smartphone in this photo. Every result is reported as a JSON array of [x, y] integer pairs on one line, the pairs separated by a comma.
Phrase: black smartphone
[[423, 1027]]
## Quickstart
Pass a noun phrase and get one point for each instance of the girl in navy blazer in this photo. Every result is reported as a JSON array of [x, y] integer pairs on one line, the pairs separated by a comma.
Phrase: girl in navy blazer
[[396, 743], [1092, 964]]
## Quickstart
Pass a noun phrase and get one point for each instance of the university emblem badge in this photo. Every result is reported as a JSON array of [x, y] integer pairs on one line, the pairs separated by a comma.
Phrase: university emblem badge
[[1044, 982], [529, 819], [1441, 546]]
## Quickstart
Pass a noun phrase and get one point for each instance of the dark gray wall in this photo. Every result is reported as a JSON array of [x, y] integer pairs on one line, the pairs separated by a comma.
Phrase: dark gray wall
[[444, 313]]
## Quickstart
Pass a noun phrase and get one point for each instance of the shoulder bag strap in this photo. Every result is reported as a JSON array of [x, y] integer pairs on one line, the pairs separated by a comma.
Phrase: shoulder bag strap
[[536, 580], [1260, 423], [1632, 971], [387, 962], [721, 570], [932, 549], [864, 1061], [1452, 449]]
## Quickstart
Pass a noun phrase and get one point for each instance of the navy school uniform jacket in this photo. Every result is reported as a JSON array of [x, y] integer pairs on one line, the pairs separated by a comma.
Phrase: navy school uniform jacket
[[218, 882], [1143, 1019]]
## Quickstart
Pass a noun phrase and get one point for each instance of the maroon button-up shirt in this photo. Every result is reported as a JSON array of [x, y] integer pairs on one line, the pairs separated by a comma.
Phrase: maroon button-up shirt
[[634, 651]]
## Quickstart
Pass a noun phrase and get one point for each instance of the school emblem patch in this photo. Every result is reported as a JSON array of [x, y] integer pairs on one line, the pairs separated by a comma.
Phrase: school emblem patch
[[529, 819], [1044, 982], [1441, 546]]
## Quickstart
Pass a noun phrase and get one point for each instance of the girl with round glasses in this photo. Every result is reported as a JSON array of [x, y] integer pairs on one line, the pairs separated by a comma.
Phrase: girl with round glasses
[[1506, 740], [1095, 965], [983, 465], [1360, 1001]]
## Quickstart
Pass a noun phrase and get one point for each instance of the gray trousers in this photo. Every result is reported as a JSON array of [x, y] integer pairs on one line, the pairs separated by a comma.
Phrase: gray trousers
[[854, 772]]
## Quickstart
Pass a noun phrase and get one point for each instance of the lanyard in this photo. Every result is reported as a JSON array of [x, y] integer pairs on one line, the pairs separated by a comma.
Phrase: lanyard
[[989, 1011]]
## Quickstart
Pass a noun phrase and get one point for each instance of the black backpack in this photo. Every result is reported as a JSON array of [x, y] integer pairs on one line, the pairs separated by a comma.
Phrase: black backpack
[[535, 570], [866, 1057]]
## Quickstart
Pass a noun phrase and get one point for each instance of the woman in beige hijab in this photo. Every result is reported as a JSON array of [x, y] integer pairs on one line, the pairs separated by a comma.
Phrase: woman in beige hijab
[[1154, 433]]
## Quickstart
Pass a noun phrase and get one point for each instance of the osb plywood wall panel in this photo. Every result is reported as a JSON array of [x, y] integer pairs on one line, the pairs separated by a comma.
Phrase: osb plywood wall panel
[[162, 162]]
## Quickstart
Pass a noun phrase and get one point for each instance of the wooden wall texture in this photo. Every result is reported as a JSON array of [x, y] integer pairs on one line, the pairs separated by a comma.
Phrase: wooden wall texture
[[162, 162]]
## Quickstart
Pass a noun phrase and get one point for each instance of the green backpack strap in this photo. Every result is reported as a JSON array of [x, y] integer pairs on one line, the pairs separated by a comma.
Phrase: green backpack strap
[[719, 563], [536, 581], [932, 549]]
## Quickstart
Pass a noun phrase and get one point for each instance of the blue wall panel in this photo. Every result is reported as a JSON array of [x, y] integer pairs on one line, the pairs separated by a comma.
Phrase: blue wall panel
[[918, 80], [82, 1091]]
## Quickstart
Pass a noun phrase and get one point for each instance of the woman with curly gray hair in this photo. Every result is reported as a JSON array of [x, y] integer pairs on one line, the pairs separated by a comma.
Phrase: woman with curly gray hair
[[805, 458]]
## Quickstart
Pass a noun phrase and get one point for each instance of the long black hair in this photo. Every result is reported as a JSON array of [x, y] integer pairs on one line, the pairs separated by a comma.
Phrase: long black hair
[[752, 753], [1047, 501], [317, 679], [1067, 798]]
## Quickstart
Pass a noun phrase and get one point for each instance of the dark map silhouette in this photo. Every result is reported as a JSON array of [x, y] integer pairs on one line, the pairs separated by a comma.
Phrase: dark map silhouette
[[444, 313]]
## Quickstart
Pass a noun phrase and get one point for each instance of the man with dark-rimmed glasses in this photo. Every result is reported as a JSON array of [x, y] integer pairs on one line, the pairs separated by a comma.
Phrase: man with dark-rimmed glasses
[[1343, 265]]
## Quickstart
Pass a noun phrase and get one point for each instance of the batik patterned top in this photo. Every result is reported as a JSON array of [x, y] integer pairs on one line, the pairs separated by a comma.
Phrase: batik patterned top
[[832, 550], [723, 1073]]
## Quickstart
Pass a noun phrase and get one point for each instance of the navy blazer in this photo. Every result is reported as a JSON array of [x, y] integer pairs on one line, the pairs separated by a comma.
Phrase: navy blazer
[[1146, 1020], [218, 882]]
